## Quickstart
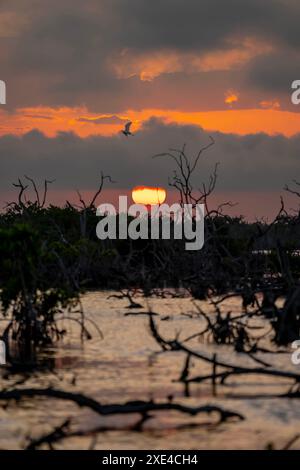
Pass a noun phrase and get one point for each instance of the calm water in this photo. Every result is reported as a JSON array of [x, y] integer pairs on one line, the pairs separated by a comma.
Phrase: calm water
[[125, 366]]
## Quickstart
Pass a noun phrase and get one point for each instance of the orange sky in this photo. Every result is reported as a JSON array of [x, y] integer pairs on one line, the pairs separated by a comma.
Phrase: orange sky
[[80, 121], [87, 70]]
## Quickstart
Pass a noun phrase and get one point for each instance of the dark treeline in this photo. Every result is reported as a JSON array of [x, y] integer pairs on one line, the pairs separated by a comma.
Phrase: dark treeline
[[49, 254], [233, 250]]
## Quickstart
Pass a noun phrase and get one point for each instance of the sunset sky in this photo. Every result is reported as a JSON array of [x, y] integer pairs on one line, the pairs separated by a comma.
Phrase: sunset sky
[[179, 70]]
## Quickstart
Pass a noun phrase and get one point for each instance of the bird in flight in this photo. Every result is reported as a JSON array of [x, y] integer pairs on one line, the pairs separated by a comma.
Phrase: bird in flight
[[126, 130]]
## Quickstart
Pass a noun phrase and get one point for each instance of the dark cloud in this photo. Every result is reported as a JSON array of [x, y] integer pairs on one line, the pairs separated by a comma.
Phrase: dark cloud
[[60, 51], [247, 163], [275, 72]]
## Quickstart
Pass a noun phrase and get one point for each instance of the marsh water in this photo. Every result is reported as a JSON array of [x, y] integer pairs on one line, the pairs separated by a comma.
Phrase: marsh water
[[126, 365]]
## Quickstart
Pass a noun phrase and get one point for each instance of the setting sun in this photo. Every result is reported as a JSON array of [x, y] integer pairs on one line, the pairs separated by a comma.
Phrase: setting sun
[[148, 195]]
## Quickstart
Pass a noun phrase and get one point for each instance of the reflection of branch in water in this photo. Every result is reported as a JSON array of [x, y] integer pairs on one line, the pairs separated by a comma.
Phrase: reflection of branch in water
[[63, 432], [138, 406], [135, 314], [218, 378], [128, 294], [143, 408], [59, 432], [292, 441]]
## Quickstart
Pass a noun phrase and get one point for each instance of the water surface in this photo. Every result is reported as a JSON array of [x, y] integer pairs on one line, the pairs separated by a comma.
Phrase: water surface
[[125, 365]]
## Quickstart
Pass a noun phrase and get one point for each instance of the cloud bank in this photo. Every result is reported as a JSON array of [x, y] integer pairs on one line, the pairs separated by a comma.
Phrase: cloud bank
[[257, 162]]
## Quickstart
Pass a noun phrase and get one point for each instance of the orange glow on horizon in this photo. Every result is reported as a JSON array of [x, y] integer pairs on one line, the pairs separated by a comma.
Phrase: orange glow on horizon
[[268, 119], [148, 196]]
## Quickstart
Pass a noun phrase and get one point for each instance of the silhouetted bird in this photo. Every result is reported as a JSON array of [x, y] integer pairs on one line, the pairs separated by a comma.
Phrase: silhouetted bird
[[126, 130]]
